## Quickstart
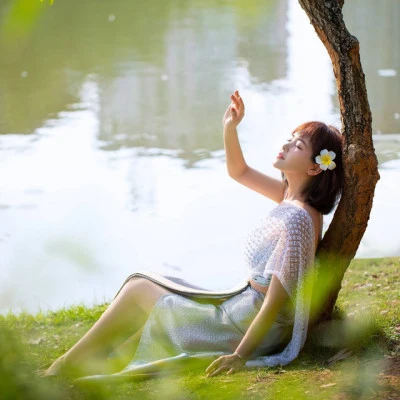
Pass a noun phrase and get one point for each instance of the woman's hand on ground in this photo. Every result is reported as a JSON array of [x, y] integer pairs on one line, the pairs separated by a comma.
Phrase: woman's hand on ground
[[230, 363], [235, 112]]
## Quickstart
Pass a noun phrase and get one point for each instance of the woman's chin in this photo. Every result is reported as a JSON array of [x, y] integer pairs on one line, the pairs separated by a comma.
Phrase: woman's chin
[[276, 165]]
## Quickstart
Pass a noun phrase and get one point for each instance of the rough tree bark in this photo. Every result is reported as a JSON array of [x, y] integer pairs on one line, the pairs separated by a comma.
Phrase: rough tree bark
[[343, 237]]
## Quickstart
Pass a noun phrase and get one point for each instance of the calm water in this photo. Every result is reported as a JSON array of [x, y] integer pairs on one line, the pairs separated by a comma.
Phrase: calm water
[[111, 152]]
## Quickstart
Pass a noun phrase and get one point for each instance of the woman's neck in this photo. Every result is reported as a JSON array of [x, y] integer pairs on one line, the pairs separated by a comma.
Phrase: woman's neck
[[295, 188]]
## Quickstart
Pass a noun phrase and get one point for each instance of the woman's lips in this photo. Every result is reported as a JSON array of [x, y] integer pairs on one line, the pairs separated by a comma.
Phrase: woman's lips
[[280, 155]]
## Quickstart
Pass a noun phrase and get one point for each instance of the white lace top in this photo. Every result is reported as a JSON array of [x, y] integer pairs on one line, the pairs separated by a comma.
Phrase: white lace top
[[283, 245]]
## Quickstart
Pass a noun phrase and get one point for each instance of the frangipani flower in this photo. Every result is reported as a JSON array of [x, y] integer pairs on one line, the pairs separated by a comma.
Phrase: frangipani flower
[[325, 160]]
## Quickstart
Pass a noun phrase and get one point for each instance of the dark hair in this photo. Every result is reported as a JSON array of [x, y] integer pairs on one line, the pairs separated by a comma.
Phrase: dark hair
[[325, 189]]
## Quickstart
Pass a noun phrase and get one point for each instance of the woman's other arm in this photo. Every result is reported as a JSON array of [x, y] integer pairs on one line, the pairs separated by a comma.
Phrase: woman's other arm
[[273, 302], [236, 164]]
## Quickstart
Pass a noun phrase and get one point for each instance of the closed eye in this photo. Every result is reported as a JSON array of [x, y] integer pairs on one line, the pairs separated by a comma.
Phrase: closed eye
[[298, 143]]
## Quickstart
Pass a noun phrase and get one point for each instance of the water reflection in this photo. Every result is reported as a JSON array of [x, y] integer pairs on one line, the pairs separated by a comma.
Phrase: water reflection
[[121, 165], [177, 104], [163, 71]]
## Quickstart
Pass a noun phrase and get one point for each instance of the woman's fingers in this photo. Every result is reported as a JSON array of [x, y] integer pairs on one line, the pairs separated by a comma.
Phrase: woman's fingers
[[213, 365], [217, 371], [220, 369], [216, 367], [235, 105], [241, 104], [237, 95], [235, 111], [235, 100], [238, 102]]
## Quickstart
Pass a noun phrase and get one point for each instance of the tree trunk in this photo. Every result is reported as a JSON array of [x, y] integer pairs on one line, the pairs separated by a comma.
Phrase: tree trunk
[[343, 237]]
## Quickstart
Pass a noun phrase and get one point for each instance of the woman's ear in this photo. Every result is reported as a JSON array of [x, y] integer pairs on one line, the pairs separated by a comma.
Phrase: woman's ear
[[314, 170]]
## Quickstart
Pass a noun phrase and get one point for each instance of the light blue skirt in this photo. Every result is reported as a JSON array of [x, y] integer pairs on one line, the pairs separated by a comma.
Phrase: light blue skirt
[[179, 324]]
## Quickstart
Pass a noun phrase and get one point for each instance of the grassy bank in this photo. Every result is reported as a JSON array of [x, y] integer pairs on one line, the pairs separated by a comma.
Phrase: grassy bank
[[369, 300]]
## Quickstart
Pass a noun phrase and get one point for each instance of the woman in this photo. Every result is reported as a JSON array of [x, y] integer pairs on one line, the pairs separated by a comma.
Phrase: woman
[[265, 322]]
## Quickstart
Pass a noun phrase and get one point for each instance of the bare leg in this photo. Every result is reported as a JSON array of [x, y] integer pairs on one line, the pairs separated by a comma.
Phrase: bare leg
[[121, 357], [125, 316]]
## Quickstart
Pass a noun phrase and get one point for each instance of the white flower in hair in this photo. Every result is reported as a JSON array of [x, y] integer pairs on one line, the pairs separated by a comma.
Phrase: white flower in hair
[[325, 160]]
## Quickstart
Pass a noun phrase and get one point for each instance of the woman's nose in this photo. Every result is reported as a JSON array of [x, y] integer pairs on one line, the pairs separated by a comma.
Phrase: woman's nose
[[285, 147]]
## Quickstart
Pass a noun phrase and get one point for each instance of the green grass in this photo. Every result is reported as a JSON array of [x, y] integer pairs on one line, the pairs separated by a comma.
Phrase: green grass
[[369, 299]]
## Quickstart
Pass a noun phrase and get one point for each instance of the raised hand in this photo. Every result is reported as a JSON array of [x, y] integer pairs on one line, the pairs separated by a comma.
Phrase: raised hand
[[235, 112]]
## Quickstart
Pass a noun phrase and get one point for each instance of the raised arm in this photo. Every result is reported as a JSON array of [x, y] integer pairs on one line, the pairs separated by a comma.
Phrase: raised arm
[[235, 162]]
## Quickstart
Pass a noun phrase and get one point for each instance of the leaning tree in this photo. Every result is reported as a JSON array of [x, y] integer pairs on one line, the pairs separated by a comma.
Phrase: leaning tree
[[350, 220]]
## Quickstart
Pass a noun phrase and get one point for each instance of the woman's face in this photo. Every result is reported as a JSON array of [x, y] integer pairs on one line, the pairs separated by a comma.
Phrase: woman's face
[[295, 156]]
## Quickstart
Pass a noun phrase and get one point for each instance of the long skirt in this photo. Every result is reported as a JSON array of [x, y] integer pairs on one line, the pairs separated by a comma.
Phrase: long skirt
[[195, 322]]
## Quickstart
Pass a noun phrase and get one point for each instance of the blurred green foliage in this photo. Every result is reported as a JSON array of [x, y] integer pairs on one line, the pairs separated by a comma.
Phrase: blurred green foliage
[[19, 20], [17, 377]]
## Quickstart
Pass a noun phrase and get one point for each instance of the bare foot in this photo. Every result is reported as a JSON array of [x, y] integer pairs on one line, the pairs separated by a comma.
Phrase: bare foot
[[57, 368]]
